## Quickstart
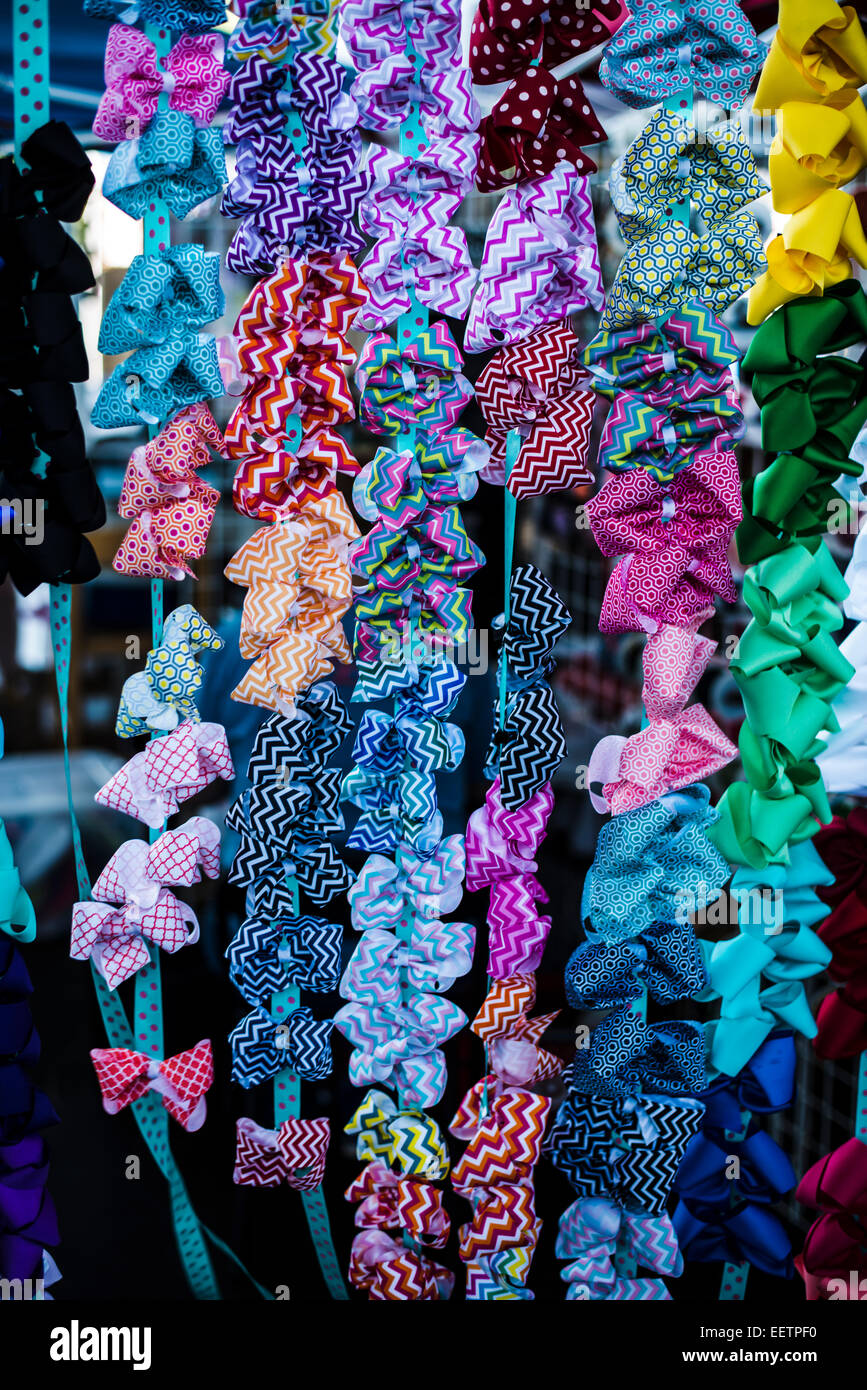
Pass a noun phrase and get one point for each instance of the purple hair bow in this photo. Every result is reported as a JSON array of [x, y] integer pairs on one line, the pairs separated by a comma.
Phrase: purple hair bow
[[191, 73], [376, 29], [540, 262], [500, 845], [387, 93]]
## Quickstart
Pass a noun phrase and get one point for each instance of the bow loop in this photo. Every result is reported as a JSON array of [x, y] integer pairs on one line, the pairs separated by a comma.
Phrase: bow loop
[[182, 1081], [191, 73]]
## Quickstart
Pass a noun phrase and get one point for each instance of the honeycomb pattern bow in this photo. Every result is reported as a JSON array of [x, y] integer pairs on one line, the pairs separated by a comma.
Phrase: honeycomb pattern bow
[[172, 160], [191, 73], [163, 694]]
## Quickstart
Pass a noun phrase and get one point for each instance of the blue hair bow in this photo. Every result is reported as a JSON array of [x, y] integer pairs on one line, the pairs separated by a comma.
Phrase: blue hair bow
[[152, 385], [161, 296], [265, 955], [262, 1046], [172, 160], [666, 959], [627, 1057]]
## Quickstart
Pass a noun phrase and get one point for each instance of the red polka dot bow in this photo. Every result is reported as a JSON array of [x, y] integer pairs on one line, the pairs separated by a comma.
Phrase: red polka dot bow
[[183, 1081], [538, 122], [508, 35]]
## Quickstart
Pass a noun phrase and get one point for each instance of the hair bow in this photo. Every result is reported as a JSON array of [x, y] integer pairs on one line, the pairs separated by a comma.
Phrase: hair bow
[[407, 1139], [267, 30], [388, 91], [505, 43], [391, 1201], [17, 915], [416, 735], [646, 859], [136, 878], [171, 509], [537, 387], [504, 1026], [672, 391], [162, 296], [537, 123], [625, 1057], [286, 749], [766, 1084], [264, 955], [394, 1273], [398, 488], [423, 887], [29, 1220], [262, 1046], [57, 173], [818, 54], [163, 694], [394, 807], [626, 1150], [275, 842], [661, 50], [191, 73], [834, 1247], [540, 262], [499, 1278], [182, 1081], [400, 1045], [433, 957], [746, 1234], [500, 846], [374, 29], [675, 537], [194, 16], [816, 148], [419, 384], [172, 160], [295, 1154], [677, 747], [667, 163], [152, 385], [590, 1233], [813, 253], [680, 266], [165, 774], [841, 1017], [765, 1176], [666, 961]]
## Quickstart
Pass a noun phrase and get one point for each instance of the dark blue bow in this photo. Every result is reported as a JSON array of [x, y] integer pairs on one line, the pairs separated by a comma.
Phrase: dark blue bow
[[262, 1046], [765, 1085], [266, 954], [626, 1056], [745, 1235], [666, 960]]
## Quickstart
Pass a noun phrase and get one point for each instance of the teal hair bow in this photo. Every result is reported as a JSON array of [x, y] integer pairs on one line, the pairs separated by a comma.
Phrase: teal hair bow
[[164, 295], [173, 161], [153, 384]]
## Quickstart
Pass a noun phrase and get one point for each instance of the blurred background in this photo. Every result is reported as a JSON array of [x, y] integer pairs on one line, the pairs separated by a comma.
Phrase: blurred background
[[116, 1237]]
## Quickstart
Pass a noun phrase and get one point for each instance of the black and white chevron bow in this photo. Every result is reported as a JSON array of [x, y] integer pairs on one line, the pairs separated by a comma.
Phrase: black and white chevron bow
[[527, 751], [262, 1046], [287, 749], [268, 954], [263, 866], [538, 617]]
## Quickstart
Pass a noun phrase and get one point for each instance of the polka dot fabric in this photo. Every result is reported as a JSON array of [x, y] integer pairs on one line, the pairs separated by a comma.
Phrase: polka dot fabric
[[537, 123], [643, 63], [508, 35]]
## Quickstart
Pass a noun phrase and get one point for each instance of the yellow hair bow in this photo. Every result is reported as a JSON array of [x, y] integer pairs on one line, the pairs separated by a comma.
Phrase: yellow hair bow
[[812, 254], [816, 148], [819, 53]]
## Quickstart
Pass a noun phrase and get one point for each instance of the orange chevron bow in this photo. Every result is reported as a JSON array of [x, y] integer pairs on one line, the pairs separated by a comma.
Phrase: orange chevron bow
[[502, 1022], [272, 480], [309, 303], [387, 1201], [393, 1273], [299, 586], [125, 1076], [504, 1142], [170, 507]]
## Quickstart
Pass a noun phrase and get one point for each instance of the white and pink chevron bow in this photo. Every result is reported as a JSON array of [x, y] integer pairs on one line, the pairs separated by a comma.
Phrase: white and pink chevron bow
[[294, 1154], [540, 262], [133, 904], [500, 845]]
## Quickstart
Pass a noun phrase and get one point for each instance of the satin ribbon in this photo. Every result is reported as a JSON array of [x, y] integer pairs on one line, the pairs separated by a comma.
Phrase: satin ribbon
[[420, 383], [17, 915], [812, 254], [170, 508], [590, 1234], [667, 164], [172, 161], [262, 1046], [675, 538], [816, 148], [194, 16], [626, 1057], [834, 1245], [660, 49], [264, 956], [672, 392], [540, 261], [165, 774], [747, 1234], [501, 846], [163, 694], [677, 747], [417, 735], [765, 1085], [191, 74], [394, 807], [538, 387], [647, 862], [294, 1153], [181, 1081], [842, 1016], [538, 122], [512, 1037], [425, 886], [137, 879], [554, 32], [397, 488], [375, 29], [818, 54]]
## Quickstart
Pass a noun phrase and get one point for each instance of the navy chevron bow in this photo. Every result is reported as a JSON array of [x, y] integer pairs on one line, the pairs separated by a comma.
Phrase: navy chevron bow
[[527, 751], [262, 1046], [266, 954], [285, 748], [393, 808], [417, 732], [626, 1057], [538, 617], [628, 1150], [265, 867], [606, 975]]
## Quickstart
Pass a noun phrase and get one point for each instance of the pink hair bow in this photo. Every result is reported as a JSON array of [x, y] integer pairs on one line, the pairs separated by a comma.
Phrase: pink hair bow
[[387, 93], [125, 1076], [134, 880], [171, 508], [500, 845], [395, 1273], [294, 1154], [674, 537], [678, 746], [154, 783], [540, 262], [191, 73], [386, 1200]]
